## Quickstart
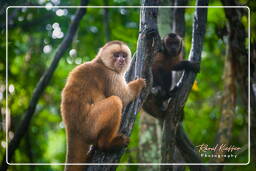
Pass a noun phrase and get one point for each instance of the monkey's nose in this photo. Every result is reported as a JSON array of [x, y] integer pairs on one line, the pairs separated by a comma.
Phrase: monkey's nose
[[121, 60]]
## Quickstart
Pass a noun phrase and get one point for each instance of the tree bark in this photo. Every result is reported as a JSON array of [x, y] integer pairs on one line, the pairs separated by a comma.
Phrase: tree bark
[[235, 75], [253, 102], [42, 84], [183, 144], [106, 21], [171, 120]]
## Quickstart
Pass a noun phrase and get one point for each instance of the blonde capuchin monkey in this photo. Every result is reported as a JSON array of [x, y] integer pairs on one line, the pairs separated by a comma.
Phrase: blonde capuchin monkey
[[92, 102]]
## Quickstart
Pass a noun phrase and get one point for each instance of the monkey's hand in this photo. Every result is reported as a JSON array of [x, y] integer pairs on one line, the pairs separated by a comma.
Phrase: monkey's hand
[[188, 66], [141, 82], [136, 86]]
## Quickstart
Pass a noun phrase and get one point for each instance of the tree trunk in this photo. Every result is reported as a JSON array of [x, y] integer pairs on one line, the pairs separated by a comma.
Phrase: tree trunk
[[178, 25], [171, 120], [235, 75], [147, 46], [253, 102], [106, 22]]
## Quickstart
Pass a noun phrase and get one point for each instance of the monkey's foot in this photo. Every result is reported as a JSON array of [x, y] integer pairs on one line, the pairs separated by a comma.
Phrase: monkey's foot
[[155, 90], [117, 143], [123, 139]]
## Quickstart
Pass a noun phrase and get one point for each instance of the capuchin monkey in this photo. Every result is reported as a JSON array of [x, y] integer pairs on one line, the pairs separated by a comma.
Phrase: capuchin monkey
[[168, 59], [92, 102]]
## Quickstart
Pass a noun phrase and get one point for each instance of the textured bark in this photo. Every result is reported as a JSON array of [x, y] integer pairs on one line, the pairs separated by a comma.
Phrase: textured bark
[[178, 27], [171, 120], [235, 74], [228, 105], [147, 46], [4, 4], [106, 21], [183, 144], [42, 84], [179, 18], [149, 141], [253, 102]]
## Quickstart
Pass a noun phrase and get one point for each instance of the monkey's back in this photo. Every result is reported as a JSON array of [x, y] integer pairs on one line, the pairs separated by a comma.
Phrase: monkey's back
[[84, 86]]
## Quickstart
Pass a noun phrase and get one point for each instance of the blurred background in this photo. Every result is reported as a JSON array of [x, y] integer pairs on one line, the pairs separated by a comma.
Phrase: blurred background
[[33, 37]]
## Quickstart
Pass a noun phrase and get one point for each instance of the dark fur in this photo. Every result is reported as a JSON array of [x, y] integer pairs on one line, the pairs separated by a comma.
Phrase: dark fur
[[168, 59]]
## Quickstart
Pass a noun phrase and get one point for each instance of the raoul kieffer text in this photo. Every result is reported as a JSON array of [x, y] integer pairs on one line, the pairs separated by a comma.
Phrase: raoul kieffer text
[[217, 148]]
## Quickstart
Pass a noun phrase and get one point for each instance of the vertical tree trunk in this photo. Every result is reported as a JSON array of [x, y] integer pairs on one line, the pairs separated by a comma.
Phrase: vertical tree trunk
[[147, 46], [149, 141], [253, 102], [228, 105], [178, 25], [106, 21], [171, 120], [235, 75]]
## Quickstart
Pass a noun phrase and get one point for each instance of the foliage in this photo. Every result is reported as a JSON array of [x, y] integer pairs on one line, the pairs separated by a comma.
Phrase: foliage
[[31, 47]]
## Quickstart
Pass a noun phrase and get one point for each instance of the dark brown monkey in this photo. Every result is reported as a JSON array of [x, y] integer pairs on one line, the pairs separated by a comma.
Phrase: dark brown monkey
[[92, 102], [168, 59]]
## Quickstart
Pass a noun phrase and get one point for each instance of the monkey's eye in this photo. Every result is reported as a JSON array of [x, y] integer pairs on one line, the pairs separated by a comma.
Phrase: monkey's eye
[[124, 55], [116, 55]]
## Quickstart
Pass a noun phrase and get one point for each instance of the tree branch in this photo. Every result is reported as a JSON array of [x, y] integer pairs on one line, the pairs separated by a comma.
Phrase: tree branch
[[177, 103], [235, 71], [106, 21], [42, 84], [253, 100], [184, 145], [179, 18], [147, 46]]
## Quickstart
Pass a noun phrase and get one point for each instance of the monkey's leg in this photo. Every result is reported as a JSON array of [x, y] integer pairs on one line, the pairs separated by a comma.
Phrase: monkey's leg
[[77, 151], [106, 116]]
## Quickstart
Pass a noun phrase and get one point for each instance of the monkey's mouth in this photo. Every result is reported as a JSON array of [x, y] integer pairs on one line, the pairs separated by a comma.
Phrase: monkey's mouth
[[120, 64]]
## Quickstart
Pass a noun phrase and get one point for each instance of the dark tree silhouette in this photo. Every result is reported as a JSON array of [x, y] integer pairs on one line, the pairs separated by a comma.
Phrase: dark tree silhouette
[[42, 84]]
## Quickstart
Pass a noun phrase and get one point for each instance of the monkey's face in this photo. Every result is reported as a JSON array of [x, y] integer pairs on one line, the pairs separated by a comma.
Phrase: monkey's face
[[172, 44], [116, 56], [120, 60]]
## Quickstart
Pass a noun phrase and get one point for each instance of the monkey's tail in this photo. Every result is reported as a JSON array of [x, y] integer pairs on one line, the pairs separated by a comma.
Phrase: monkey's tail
[[77, 153]]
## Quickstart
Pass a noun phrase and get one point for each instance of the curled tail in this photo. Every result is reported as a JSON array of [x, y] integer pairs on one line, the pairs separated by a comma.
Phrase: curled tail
[[77, 152]]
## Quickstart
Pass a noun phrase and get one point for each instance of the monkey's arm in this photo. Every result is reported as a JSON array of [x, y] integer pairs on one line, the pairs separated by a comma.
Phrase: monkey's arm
[[187, 65], [183, 65], [135, 87]]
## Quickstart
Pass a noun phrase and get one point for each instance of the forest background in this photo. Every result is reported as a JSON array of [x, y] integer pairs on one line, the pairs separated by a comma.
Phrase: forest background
[[34, 34]]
